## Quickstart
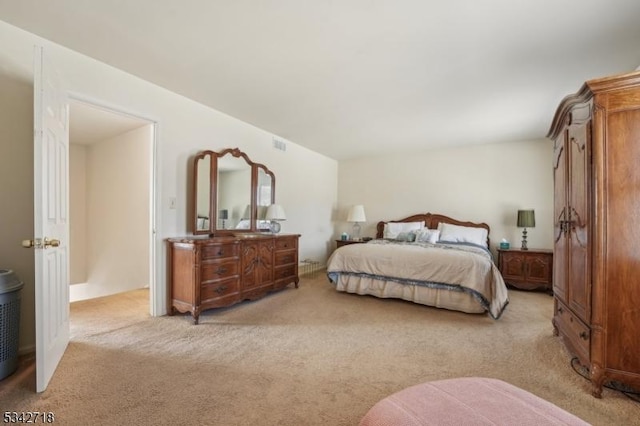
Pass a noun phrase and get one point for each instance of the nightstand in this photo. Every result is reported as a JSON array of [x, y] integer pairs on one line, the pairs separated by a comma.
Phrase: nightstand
[[527, 269], [340, 243]]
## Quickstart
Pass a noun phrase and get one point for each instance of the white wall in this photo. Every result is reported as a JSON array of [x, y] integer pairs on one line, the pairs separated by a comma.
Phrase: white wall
[[306, 182], [117, 216], [487, 183], [77, 214]]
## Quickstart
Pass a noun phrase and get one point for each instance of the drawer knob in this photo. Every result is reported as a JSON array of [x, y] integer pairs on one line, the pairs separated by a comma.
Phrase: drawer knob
[[221, 289], [220, 252], [583, 335], [561, 310], [221, 270]]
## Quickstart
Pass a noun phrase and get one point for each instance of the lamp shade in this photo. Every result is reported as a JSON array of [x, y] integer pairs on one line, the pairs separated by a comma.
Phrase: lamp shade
[[262, 212], [356, 214], [275, 212], [526, 219]]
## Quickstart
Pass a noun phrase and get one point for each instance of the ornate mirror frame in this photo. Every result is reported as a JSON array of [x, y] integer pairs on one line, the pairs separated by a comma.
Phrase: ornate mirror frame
[[239, 212]]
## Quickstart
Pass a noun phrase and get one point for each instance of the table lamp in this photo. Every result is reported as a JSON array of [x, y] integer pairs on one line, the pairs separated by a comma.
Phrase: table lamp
[[356, 215], [526, 219], [275, 213]]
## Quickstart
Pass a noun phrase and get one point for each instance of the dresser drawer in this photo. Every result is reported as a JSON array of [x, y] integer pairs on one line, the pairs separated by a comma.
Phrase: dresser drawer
[[219, 289], [575, 331], [286, 257], [285, 243], [219, 251], [218, 270], [285, 272]]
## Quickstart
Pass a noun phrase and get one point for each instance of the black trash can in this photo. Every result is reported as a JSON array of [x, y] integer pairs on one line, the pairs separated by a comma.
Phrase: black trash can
[[10, 292]]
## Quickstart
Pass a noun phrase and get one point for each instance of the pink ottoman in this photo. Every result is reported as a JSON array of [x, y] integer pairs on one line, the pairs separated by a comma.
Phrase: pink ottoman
[[466, 401]]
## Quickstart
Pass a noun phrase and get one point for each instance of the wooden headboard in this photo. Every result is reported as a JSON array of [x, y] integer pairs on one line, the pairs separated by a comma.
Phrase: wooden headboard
[[431, 221]]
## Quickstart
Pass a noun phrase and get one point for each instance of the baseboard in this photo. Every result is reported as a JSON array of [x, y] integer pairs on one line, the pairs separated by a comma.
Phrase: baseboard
[[27, 350]]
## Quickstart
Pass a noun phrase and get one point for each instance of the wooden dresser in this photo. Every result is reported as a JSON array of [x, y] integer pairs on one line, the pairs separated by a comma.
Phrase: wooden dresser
[[596, 283], [214, 272]]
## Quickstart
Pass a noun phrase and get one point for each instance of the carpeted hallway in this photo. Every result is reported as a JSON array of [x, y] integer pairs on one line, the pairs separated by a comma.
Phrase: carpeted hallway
[[307, 356]]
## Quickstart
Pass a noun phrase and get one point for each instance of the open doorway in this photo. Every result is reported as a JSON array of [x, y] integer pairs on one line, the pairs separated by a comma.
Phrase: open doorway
[[110, 201]]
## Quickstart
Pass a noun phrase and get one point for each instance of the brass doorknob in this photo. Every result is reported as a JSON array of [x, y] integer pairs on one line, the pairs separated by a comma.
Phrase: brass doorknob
[[51, 243], [38, 243], [28, 243]]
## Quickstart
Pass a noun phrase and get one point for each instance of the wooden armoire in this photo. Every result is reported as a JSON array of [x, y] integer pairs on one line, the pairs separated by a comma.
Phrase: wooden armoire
[[596, 285]]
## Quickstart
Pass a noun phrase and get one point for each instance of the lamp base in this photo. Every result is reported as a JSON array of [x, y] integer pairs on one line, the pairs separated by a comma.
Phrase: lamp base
[[524, 240], [355, 234], [274, 226]]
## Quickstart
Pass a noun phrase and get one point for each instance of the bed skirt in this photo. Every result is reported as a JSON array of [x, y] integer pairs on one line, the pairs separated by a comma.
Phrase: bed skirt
[[437, 297]]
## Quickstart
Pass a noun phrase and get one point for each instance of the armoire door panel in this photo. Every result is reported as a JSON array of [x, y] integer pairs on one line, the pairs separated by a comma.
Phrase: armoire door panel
[[578, 172], [579, 289], [560, 215]]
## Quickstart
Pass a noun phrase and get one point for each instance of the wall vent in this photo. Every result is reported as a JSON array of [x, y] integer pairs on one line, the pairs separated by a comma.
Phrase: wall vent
[[279, 144]]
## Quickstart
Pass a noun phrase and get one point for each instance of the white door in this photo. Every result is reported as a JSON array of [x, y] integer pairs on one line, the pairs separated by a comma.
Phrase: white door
[[51, 221]]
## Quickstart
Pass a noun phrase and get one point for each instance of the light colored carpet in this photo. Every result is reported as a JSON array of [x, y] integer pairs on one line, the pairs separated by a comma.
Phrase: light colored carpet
[[307, 356]]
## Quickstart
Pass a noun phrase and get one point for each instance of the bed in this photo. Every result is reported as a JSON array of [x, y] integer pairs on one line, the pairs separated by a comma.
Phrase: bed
[[429, 259]]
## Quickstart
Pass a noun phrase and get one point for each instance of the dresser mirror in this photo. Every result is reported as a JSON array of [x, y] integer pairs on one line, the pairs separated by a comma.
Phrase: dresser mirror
[[231, 193], [203, 191]]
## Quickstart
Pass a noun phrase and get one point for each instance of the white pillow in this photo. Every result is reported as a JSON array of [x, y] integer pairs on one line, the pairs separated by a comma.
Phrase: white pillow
[[426, 235], [392, 229], [463, 234]]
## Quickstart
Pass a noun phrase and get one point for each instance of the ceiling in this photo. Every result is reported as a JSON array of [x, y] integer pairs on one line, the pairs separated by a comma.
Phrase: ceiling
[[357, 77], [89, 124]]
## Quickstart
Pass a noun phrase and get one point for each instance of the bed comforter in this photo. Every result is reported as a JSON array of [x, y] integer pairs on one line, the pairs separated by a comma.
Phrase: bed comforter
[[455, 267]]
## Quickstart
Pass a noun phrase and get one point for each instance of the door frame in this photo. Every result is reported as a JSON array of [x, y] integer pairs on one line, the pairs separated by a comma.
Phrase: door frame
[[156, 296]]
